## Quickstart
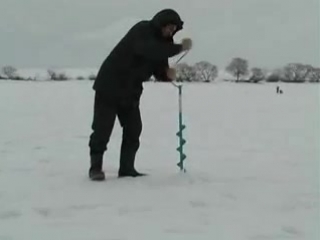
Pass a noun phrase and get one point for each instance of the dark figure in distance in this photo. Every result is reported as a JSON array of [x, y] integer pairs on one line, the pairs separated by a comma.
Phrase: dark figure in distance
[[141, 53], [279, 91]]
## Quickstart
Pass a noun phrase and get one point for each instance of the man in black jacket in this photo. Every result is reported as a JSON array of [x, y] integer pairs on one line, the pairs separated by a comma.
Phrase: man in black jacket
[[141, 53]]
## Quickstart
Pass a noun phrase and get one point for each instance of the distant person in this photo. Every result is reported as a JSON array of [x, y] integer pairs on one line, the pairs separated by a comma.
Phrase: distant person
[[141, 53], [279, 91]]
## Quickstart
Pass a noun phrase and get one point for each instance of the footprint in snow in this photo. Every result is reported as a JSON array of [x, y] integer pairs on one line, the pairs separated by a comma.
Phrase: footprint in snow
[[11, 214], [44, 160], [44, 212], [230, 196], [292, 231], [127, 210], [38, 147], [198, 204], [84, 207]]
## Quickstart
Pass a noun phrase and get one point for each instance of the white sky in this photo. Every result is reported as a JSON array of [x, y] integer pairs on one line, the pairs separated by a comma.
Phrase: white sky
[[80, 33]]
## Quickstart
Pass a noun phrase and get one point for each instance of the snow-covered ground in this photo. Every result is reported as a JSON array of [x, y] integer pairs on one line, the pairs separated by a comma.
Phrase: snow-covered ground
[[252, 165]]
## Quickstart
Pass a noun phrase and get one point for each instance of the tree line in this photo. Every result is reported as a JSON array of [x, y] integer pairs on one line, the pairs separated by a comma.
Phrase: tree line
[[11, 73], [204, 71], [239, 69]]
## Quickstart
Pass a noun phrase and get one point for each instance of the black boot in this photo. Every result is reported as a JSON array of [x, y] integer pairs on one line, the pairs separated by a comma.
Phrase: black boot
[[130, 173], [127, 169], [95, 171]]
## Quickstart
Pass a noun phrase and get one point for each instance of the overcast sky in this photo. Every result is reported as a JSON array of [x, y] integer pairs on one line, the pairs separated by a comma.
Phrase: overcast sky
[[80, 33]]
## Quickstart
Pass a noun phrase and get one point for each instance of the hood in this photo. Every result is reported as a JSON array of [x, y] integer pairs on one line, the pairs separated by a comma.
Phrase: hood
[[165, 17]]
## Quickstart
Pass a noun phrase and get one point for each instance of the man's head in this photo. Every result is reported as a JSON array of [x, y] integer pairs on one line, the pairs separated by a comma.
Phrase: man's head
[[169, 30], [168, 22]]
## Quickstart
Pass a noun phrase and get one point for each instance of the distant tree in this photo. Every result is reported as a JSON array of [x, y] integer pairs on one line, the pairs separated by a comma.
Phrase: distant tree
[[238, 67], [205, 71], [80, 78], [92, 77], [18, 78], [273, 78], [296, 72], [276, 75], [62, 77], [9, 71], [314, 75], [257, 75], [57, 76], [52, 74], [185, 73]]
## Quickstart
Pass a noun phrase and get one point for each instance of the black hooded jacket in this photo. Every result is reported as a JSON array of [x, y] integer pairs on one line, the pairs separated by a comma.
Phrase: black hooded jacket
[[141, 53]]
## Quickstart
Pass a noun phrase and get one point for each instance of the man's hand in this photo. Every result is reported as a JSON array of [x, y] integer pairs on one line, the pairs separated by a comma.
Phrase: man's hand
[[171, 73], [186, 44]]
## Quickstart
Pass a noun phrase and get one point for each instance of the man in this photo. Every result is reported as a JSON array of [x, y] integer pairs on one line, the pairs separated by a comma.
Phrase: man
[[141, 53]]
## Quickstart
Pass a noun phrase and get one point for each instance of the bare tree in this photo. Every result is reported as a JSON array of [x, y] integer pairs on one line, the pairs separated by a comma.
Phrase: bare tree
[[257, 75], [10, 72], [314, 75], [62, 76], [57, 76], [185, 73], [238, 67], [205, 71], [52, 74], [296, 72]]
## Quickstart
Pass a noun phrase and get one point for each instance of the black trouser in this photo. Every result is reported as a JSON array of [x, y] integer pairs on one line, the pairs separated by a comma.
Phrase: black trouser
[[105, 112]]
